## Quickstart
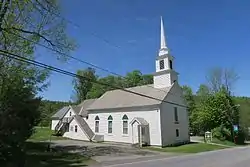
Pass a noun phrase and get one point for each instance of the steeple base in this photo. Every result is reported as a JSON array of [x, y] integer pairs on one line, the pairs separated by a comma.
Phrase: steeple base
[[165, 78]]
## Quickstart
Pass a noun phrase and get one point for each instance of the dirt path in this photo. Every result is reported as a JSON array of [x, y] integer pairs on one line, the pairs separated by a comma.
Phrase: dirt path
[[108, 153]]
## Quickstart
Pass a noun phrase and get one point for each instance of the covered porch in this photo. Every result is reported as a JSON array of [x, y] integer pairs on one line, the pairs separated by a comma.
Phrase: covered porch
[[140, 131]]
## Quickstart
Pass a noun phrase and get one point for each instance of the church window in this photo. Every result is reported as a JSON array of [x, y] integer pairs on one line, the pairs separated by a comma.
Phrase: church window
[[176, 118], [125, 124], [161, 64], [110, 121], [75, 128], [170, 64], [70, 113], [177, 133], [97, 124]]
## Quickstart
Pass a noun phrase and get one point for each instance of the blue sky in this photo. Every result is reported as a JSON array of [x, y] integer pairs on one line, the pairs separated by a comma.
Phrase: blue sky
[[200, 34]]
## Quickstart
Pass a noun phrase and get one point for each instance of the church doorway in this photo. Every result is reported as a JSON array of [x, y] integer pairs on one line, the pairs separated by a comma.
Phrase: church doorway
[[140, 131], [135, 132]]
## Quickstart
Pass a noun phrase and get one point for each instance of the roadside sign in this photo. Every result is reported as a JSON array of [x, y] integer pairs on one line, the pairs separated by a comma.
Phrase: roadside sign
[[236, 128]]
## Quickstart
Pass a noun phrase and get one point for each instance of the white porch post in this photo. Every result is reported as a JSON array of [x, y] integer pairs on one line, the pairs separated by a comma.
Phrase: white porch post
[[140, 134]]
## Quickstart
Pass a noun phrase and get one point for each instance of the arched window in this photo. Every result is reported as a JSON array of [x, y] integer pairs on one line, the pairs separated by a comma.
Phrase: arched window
[[70, 113], [75, 128], [97, 124], [125, 124], [110, 121]]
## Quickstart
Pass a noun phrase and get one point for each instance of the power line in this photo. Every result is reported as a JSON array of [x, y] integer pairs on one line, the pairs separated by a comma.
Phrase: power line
[[77, 59], [78, 26], [58, 70]]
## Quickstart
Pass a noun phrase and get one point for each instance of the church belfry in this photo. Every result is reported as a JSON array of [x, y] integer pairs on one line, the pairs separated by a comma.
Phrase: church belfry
[[165, 75]]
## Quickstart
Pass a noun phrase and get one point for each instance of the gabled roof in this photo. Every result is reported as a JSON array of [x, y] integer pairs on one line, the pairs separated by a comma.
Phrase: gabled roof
[[60, 113], [140, 120], [76, 109], [121, 99], [84, 105]]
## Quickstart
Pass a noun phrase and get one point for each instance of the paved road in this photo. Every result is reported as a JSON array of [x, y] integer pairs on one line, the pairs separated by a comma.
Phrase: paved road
[[232, 157]]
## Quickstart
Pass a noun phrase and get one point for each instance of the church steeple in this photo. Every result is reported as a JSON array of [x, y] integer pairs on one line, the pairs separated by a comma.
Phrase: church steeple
[[163, 40], [165, 75], [164, 48]]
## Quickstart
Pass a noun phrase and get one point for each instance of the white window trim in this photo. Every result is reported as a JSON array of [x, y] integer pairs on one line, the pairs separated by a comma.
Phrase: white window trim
[[176, 121], [125, 134], [98, 126], [162, 60], [111, 126]]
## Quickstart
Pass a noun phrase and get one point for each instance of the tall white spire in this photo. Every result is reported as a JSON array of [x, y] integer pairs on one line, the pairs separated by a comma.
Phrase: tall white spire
[[165, 74], [163, 39]]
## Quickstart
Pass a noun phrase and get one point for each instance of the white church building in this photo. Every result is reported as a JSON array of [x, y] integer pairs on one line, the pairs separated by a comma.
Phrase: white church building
[[159, 118]]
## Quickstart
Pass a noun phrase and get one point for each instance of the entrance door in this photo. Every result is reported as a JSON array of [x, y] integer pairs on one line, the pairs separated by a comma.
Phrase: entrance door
[[135, 132]]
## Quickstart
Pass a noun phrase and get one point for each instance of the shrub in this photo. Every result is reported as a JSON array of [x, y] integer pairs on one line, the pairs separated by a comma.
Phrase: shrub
[[221, 133]]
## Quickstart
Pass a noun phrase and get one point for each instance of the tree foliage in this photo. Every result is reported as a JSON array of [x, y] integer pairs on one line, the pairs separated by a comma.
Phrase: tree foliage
[[18, 115], [81, 85], [88, 89], [36, 20], [219, 78], [24, 25], [192, 112]]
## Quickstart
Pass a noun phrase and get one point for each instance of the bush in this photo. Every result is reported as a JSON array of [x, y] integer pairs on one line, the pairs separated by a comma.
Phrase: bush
[[221, 133]]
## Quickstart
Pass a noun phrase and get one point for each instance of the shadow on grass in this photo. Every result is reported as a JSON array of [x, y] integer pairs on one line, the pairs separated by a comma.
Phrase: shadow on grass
[[181, 144], [37, 155]]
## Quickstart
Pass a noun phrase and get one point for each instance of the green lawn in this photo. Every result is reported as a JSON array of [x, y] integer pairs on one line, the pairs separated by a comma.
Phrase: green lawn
[[44, 134], [225, 142], [188, 148], [38, 156]]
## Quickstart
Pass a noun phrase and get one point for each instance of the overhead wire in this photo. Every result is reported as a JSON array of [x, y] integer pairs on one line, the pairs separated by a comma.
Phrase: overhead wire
[[61, 71], [77, 59], [80, 60]]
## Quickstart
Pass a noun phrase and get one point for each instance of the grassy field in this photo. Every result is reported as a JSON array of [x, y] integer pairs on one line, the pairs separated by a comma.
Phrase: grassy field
[[38, 156], [189, 148], [44, 134], [225, 142]]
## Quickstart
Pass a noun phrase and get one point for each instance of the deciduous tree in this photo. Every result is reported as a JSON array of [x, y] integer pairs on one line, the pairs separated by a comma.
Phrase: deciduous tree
[[24, 25], [82, 85], [219, 78]]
